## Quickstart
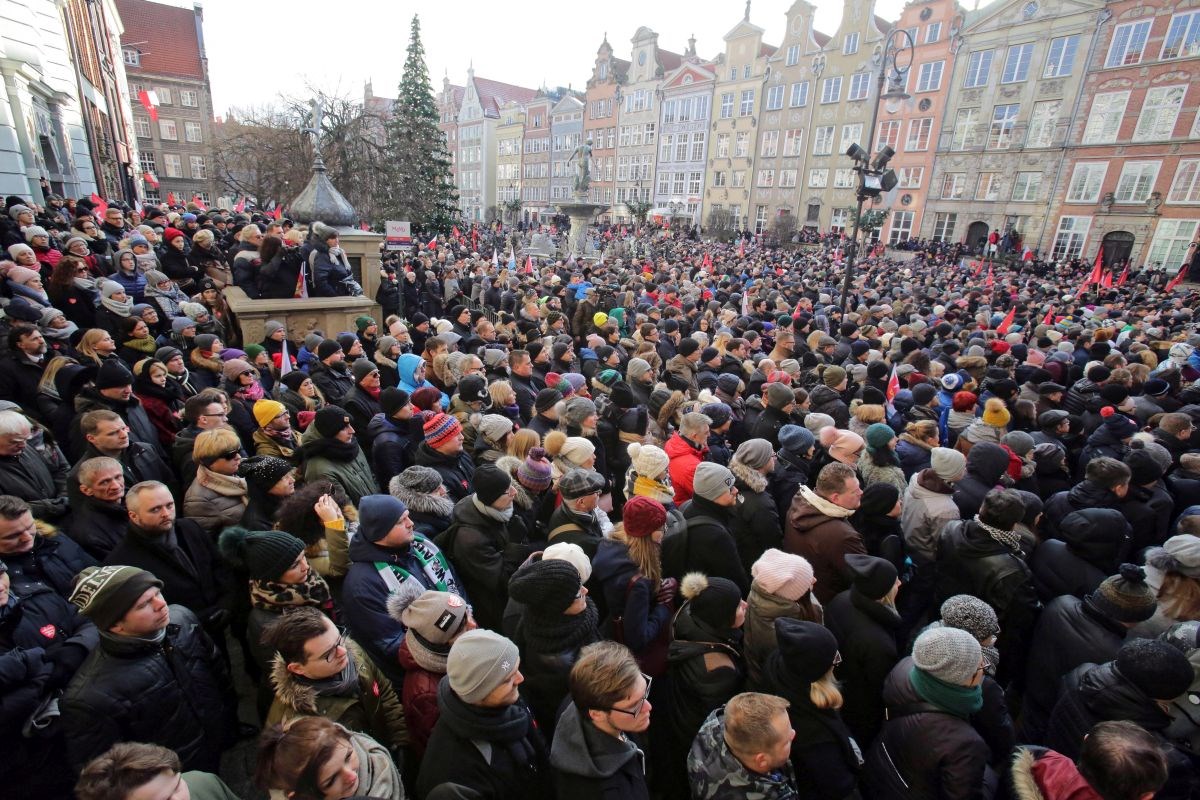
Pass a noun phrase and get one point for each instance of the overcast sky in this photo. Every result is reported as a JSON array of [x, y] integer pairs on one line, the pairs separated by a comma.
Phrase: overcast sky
[[257, 49]]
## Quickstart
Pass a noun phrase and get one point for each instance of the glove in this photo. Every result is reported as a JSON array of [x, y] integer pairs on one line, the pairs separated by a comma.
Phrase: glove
[[216, 620], [64, 661]]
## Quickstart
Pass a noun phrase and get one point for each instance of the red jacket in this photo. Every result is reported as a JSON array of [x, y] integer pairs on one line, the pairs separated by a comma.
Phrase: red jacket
[[419, 698], [682, 469]]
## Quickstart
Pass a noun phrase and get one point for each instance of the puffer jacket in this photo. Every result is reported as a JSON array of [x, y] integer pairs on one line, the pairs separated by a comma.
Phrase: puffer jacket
[[592, 765], [1082, 495], [1093, 693], [418, 698], [699, 684], [485, 553], [986, 464], [215, 501], [173, 693], [790, 472], [684, 458], [866, 632], [55, 559], [824, 400], [1069, 632], [928, 755], [457, 470], [715, 773], [708, 546], [825, 540], [335, 381], [354, 476], [1101, 443], [1094, 542], [372, 708], [928, 505], [393, 445]]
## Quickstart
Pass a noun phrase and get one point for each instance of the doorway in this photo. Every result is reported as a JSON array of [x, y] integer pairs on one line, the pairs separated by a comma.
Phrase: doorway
[[977, 234], [1117, 247]]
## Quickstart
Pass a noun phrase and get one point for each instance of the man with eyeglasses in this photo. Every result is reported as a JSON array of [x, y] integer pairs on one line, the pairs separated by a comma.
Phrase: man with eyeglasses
[[595, 752], [155, 678], [114, 227]]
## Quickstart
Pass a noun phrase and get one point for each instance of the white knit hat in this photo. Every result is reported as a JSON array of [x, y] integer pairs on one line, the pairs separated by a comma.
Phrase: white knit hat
[[648, 460], [572, 554], [789, 576]]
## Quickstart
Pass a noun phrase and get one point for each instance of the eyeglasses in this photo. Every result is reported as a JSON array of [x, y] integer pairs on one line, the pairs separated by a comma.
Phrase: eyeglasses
[[329, 655], [837, 658], [250, 372], [230, 455], [221, 415], [641, 704]]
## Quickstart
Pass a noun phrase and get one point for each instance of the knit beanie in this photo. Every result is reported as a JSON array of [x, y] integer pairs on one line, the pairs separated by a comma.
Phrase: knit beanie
[[547, 588], [432, 618], [264, 555], [718, 413], [795, 439], [833, 376], [636, 368], [1126, 597], [346, 342], [547, 399], [1155, 667], [294, 379], [972, 615], [878, 435], [535, 473], [643, 516], [648, 460], [363, 322], [1119, 425], [264, 471], [479, 661], [181, 324], [312, 341], [113, 375], [165, 354], [427, 398], [687, 346], [727, 383], [806, 652], [712, 600], [440, 428], [778, 395], [923, 394], [392, 400], [378, 514], [572, 554], [473, 389], [1143, 467], [1020, 442], [326, 348], [995, 413], [872, 577], [105, 594], [754, 453], [415, 480], [949, 654], [253, 351], [784, 574], [494, 427], [622, 395], [267, 410], [576, 410], [948, 464], [330, 421], [490, 484], [711, 480], [270, 326]]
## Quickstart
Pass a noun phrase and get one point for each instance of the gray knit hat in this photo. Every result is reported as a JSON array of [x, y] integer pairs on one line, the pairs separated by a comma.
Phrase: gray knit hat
[[972, 615], [576, 410], [1019, 442], [711, 480], [637, 367], [432, 618], [948, 464], [494, 427], [948, 654], [754, 453], [479, 661], [414, 480]]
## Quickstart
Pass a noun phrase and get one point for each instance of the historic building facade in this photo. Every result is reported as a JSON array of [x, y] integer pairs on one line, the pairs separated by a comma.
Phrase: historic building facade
[[566, 132], [685, 116], [600, 123]]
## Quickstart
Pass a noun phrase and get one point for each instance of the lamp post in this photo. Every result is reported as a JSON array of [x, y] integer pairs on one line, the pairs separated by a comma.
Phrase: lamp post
[[873, 178]]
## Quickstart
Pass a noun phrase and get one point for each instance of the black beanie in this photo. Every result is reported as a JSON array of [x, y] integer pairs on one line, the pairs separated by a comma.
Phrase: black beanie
[[293, 379], [392, 400], [265, 555], [264, 471], [687, 346], [622, 395], [490, 484], [806, 649], [327, 348], [546, 399], [330, 420], [873, 397], [113, 374], [1156, 668], [873, 577], [547, 587], [713, 600]]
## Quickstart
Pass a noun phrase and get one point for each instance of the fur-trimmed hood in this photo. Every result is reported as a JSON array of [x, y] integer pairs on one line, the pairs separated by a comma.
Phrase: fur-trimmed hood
[[1039, 774], [297, 695], [754, 480], [435, 505]]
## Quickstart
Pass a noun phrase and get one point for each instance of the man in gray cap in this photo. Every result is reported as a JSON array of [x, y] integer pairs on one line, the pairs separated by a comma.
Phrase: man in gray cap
[[709, 544], [576, 520]]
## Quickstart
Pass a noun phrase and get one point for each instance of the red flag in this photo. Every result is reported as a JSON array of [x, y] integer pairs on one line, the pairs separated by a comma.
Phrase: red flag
[[707, 262], [1097, 271], [432, 243], [241, 205], [170, 198], [474, 238], [150, 178], [150, 103], [978, 265], [196, 201], [1008, 320], [278, 212], [893, 385], [1178, 279], [454, 231], [99, 205], [364, 226], [741, 248], [528, 265], [1049, 318], [1107, 281], [1124, 275], [990, 282]]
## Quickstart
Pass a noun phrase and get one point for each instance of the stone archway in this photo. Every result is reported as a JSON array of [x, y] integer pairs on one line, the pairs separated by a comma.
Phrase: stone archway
[[1117, 247], [977, 233]]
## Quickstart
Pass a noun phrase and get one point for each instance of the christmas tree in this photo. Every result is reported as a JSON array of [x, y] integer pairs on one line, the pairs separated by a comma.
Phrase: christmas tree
[[420, 187]]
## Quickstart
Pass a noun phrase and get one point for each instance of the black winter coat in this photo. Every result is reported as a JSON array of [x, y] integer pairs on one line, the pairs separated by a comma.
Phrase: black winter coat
[[97, 526], [194, 576], [790, 473], [708, 546], [485, 553], [1093, 544], [1084, 494], [768, 424], [173, 693], [54, 560], [986, 463], [457, 470], [756, 525], [696, 686], [866, 633], [629, 596], [334, 382]]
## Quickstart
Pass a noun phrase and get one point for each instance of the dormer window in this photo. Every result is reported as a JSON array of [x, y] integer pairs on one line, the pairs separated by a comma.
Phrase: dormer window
[[603, 70], [133, 58]]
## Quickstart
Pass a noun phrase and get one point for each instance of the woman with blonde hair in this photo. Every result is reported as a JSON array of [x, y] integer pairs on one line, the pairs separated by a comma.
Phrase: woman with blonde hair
[[217, 497], [721, 341], [824, 757], [522, 441], [96, 346], [49, 400], [503, 400], [1173, 572], [915, 448], [864, 415]]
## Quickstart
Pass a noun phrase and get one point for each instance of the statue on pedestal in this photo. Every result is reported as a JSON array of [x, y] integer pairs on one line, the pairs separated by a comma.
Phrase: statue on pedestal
[[583, 170]]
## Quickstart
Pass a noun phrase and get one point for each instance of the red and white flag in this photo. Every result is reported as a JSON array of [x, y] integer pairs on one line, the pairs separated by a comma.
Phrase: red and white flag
[[241, 205], [432, 243], [893, 385], [990, 281], [1124, 275], [99, 206], [1178, 279], [150, 178], [149, 101]]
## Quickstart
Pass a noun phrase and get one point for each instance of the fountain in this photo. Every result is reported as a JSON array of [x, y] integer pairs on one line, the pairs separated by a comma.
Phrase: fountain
[[580, 210]]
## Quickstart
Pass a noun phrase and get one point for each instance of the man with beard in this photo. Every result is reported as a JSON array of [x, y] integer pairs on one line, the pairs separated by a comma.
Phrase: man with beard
[[330, 373]]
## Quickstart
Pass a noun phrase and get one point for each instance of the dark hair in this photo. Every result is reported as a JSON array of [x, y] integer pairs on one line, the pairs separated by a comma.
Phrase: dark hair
[[195, 405], [288, 634], [271, 245], [19, 332], [1107, 472], [291, 759], [125, 767], [1122, 761], [12, 507], [296, 515], [1002, 508]]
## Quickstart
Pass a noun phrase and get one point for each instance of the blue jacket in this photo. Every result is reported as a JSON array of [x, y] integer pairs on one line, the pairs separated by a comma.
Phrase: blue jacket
[[406, 366], [328, 273], [365, 596]]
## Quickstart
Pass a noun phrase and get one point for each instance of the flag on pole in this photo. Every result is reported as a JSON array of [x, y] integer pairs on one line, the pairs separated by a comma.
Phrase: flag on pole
[[1008, 321], [990, 282], [893, 385], [978, 265], [1178, 279], [454, 230], [1097, 271], [241, 205], [1049, 318], [707, 262], [278, 212], [150, 178], [170, 198], [149, 101], [99, 205], [196, 201], [285, 361], [1124, 275], [432, 243], [1108, 279], [528, 265]]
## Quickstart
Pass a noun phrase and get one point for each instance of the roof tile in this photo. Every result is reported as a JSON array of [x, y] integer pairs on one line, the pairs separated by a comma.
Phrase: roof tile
[[166, 37]]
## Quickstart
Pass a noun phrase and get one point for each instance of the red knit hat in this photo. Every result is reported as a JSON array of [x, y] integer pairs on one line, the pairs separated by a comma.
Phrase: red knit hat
[[643, 516], [171, 233], [440, 428]]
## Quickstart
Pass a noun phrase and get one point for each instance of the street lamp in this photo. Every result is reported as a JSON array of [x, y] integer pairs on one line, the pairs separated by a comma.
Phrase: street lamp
[[874, 179]]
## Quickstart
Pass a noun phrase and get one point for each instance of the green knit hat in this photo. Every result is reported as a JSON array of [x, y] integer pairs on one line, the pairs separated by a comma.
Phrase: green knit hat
[[265, 555]]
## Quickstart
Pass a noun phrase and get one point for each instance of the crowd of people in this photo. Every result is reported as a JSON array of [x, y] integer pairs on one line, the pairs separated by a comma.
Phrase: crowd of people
[[688, 525]]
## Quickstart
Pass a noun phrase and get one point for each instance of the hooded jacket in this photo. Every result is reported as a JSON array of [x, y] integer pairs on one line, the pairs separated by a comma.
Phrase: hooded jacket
[[821, 532], [824, 400], [591, 765], [866, 632], [1083, 495], [485, 553], [1093, 693], [353, 476], [406, 366], [716, 774], [684, 458], [706, 670], [986, 464], [928, 505], [1093, 543], [1041, 774]]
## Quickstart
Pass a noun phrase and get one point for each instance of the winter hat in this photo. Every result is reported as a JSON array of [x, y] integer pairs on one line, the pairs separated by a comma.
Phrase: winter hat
[[473, 389], [270, 326], [253, 351], [579, 483], [1126, 597], [571, 553], [479, 661], [378, 514], [873, 577], [230, 353], [170, 234], [636, 368], [194, 310], [490, 484], [1155, 667], [105, 594], [361, 368], [392, 400], [795, 439], [576, 410], [972, 615], [648, 460], [494, 427], [35, 230], [267, 410], [346, 341], [963, 401], [878, 435], [622, 395], [440, 428], [1143, 467], [547, 399], [729, 384], [708, 354], [1020, 442], [923, 394], [22, 275], [432, 618], [1156, 387], [547, 588], [385, 344], [181, 324], [948, 464], [294, 379], [754, 453], [779, 395], [110, 288], [806, 651], [415, 480], [363, 322], [264, 555], [1113, 394], [687, 346], [331, 420], [952, 382], [719, 413], [535, 473], [643, 516], [326, 348], [949, 654], [711, 480], [833, 376], [165, 354], [712, 600], [995, 413], [264, 471], [113, 375], [1119, 425], [784, 574]]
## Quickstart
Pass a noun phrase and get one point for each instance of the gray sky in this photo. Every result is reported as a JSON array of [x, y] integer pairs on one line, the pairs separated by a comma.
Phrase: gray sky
[[255, 49]]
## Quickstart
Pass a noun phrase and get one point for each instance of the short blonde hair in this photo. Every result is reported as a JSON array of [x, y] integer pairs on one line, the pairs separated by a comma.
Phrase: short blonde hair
[[522, 441], [500, 392], [825, 693], [211, 444], [748, 718]]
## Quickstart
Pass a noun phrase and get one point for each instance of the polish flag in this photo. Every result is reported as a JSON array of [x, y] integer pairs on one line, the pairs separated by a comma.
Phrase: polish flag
[[199, 203], [1178, 279], [100, 206], [990, 282], [893, 385], [149, 101], [241, 205], [432, 243], [1124, 275], [150, 178]]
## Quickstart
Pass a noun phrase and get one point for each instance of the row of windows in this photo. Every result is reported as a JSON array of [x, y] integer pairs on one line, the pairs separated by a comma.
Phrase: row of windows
[[1026, 187], [745, 105], [636, 135], [173, 166], [1135, 183], [1168, 248], [188, 98], [168, 130], [680, 183], [683, 146], [1129, 40], [686, 109], [1156, 120]]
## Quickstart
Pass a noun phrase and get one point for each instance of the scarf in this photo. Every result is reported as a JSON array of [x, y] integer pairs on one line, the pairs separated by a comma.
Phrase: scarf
[[143, 344], [1010, 539], [641, 486], [122, 308], [253, 393], [272, 595], [433, 563], [377, 774], [374, 393], [226, 485], [344, 684], [492, 513], [334, 450], [85, 284], [961, 701], [824, 506], [559, 632], [33, 295], [62, 334]]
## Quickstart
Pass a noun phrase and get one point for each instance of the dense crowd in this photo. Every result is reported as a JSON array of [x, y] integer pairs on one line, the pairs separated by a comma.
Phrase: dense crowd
[[691, 524]]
